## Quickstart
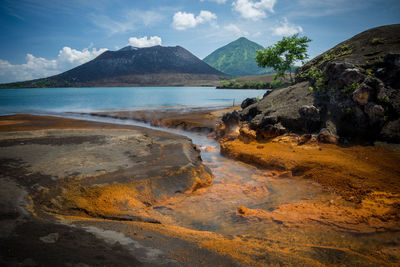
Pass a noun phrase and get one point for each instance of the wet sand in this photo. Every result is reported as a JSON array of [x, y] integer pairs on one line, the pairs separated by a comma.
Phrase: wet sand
[[74, 192]]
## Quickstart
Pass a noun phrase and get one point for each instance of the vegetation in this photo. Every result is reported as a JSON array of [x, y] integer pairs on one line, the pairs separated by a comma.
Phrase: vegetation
[[284, 54], [237, 58], [351, 88], [342, 50], [316, 77], [377, 41], [233, 84]]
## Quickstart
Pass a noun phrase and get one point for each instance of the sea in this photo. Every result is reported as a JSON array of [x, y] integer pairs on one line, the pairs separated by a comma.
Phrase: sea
[[60, 100]]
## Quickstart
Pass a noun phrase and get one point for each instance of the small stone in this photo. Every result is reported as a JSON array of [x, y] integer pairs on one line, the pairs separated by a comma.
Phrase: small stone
[[247, 102], [325, 136], [50, 238]]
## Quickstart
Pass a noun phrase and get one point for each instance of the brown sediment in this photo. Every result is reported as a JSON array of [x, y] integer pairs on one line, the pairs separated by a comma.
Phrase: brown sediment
[[352, 172], [196, 120], [25, 122], [154, 187], [368, 176]]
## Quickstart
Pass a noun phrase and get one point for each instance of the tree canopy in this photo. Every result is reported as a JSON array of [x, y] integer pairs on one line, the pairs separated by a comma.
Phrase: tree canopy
[[284, 54]]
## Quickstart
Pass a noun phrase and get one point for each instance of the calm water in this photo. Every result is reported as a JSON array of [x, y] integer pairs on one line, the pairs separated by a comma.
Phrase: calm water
[[103, 98]]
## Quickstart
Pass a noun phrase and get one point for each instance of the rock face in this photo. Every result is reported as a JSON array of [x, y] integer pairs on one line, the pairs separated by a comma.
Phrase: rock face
[[351, 92]]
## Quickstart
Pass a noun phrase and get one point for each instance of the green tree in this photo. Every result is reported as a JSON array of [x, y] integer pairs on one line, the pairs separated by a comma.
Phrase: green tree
[[284, 54]]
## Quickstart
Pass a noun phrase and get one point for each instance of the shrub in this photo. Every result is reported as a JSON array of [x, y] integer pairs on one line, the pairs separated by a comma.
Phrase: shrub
[[377, 41]]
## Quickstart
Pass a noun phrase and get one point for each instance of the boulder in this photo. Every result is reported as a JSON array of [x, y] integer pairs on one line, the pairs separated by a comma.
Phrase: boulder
[[391, 132], [270, 131], [341, 74], [247, 102], [349, 77], [363, 94], [250, 112], [333, 69], [374, 111], [231, 119], [310, 113], [311, 118], [326, 136]]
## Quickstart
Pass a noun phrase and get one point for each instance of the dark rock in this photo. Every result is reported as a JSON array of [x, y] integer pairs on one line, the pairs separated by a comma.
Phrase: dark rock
[[230, 119], [267, 93], [247, 102], [250, 112], [374, 111], [348, 77], [391, 132], [392, 60], [268, 120], [309, 113], [333, 69], [270, 131], [326, 136], [363, 94], [311, 118]]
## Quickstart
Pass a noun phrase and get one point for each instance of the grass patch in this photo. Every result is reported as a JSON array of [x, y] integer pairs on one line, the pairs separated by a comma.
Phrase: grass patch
[[232, 84], [377, 41]]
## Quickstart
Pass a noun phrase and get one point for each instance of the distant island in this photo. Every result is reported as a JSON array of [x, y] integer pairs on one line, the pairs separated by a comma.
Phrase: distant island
[[163, 66]]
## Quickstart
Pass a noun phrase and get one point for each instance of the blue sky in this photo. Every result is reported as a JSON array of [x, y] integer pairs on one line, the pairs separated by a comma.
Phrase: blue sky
[[40, 38]]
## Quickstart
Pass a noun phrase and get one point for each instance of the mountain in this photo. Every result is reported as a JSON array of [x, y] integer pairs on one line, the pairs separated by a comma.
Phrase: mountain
[[132, 66], [237, 58]]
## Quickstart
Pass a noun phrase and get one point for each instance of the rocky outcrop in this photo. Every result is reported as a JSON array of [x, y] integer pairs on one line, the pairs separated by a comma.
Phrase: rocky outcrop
[[349, 93]]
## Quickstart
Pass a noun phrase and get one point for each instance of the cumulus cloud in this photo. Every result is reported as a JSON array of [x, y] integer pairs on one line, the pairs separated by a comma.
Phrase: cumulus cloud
[[144, 41], [38, 67], [254, 10], [285, 28], [182, 20]]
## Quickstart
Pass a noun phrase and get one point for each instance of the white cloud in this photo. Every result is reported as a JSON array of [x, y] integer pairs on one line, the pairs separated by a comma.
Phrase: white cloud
[[285, 28], [216, 1], [249, 9], [144, 41], [38, 67], [235, 30], [183, 20], [68, 56]]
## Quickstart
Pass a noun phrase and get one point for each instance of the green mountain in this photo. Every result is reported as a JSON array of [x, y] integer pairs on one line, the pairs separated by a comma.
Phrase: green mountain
[[237, 58]]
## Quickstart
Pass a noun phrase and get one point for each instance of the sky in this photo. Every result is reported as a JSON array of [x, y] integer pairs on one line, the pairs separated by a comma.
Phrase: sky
[[40, 38]]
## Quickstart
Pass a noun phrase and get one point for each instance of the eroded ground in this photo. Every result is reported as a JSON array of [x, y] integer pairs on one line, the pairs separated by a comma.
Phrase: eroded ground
[[189, 119], [78, 192]]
